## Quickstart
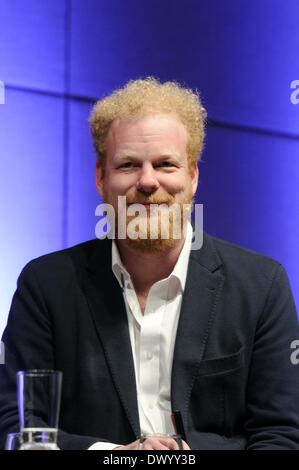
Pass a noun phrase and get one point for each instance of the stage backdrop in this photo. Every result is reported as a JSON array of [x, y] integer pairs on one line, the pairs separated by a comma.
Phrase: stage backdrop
[[57, 57]]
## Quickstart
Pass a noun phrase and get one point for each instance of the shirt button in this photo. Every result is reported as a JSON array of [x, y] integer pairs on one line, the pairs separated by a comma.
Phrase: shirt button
[[149, 356], [151, 406]]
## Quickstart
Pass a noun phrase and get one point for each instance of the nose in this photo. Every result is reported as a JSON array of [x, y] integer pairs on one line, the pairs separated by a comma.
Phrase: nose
[[147, 180]]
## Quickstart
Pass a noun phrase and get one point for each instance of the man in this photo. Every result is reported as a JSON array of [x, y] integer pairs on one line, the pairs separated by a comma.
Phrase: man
[[143, 325]]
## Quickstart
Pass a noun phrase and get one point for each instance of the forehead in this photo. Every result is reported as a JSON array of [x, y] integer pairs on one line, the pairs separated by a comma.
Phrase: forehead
[[152, 129]]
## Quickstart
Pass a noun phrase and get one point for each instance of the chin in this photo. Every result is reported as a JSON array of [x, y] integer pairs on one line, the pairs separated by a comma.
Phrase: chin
[[152, 246]]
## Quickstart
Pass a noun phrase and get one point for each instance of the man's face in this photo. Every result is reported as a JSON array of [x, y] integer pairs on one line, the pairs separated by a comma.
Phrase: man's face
[[146, 161]]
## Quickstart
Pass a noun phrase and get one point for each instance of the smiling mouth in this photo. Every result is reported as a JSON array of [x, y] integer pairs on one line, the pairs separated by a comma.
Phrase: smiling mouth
[[147, 203], [150, 206]]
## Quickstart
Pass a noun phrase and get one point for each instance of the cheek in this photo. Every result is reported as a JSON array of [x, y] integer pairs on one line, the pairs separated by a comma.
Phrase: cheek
[[174, 183], [119, 184]]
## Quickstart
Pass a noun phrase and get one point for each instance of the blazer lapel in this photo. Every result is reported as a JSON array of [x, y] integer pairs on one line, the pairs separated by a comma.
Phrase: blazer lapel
[[107, 306], [202, 291]]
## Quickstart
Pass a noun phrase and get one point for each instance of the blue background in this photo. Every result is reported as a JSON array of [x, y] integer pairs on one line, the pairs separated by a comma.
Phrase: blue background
[[58, 57]]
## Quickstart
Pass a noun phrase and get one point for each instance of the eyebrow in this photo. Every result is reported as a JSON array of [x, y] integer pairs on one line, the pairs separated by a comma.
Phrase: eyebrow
[[165, 154], [170, 154], [122, 154]]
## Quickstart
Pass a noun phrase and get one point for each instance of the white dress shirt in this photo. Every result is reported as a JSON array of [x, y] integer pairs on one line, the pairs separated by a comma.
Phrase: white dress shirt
[[152, 336]]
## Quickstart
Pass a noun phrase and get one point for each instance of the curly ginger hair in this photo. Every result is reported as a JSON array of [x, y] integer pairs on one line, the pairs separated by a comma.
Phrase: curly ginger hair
[[140, 97]]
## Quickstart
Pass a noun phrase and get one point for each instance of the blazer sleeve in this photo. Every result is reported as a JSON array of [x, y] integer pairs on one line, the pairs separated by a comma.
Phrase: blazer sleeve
[[28, 343], [272, 420]]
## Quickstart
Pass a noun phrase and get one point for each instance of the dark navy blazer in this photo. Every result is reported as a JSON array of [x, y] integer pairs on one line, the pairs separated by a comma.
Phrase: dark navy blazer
[[232, 377]]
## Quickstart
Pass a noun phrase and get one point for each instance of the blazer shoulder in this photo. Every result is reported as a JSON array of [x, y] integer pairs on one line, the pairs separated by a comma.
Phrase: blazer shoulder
[[243, 259], [76, 257]]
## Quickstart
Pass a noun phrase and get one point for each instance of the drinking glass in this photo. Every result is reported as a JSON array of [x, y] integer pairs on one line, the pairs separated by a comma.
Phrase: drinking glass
[[13, 441], [39, 395], [176, 437]]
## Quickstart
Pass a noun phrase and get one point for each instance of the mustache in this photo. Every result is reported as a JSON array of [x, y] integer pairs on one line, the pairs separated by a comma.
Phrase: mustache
[[152, 199]]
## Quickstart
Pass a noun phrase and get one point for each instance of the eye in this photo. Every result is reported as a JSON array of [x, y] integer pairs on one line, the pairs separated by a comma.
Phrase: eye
[[165, 164], [126, 165]]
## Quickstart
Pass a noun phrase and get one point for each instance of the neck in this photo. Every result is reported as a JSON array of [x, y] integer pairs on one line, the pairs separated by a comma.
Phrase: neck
[[146, 268]]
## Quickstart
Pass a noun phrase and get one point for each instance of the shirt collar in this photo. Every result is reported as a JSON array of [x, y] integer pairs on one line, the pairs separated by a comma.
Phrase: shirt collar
[[179, 271]]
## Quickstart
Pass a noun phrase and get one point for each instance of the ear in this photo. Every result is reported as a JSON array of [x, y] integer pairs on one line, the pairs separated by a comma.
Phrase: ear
[[194, 178], [99, 180]]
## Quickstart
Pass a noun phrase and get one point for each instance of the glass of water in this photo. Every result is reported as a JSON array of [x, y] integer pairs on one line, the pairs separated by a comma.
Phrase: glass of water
[[39, 395], [13, 441]]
